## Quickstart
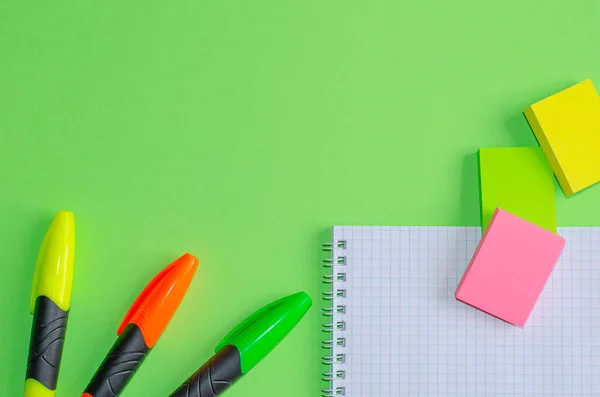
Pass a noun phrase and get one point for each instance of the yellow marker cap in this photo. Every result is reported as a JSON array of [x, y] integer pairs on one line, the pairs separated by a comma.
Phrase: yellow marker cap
[[53, 275]]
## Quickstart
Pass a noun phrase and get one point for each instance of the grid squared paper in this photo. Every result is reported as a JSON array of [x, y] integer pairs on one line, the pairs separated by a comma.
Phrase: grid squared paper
[[406, 335]]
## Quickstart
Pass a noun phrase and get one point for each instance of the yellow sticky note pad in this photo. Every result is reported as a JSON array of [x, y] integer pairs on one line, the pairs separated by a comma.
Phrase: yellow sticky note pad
[[567, 126]]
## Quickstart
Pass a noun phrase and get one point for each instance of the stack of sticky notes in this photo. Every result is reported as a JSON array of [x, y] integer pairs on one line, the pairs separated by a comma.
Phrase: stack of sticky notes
[[567, 126], [520, 247], [509, 268], [518, 180]]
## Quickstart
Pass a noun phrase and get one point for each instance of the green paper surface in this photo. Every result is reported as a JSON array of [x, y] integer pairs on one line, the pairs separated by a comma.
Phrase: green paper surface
[[241, 131], [518, 180]]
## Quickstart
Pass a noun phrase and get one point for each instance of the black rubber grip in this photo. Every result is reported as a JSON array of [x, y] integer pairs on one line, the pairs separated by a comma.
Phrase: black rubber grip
[[123, 359], [47, 341], [214, 377]]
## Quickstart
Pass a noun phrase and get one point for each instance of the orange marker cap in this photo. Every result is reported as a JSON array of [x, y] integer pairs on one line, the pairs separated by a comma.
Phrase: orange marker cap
[[157, 303]]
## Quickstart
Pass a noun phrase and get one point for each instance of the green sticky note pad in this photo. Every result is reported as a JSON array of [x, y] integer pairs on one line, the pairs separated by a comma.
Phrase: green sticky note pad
[[518, 180]]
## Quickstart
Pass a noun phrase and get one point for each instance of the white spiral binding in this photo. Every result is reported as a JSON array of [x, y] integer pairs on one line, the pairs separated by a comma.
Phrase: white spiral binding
[[336, 325]]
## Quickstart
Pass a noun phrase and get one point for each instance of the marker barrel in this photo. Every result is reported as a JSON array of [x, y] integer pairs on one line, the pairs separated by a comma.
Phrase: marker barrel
[[214, 377], [47, 341], [120, 364]]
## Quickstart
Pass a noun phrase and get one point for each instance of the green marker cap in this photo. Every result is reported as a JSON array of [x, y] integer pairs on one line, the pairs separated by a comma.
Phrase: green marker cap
[[257, 335]]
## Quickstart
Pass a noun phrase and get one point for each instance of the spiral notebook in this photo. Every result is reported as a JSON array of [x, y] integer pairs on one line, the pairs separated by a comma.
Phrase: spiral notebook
[[397, 330]]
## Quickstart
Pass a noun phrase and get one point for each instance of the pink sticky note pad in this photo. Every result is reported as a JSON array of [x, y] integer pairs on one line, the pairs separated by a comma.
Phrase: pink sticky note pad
[[509, 268]]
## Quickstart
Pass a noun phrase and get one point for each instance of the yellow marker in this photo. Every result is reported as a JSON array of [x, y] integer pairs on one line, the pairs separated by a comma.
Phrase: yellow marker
[[567, 126], [33, 388], [50, 303]]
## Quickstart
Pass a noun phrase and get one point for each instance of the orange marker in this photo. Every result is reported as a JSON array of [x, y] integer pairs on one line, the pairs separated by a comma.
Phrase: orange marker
[[143, 324]]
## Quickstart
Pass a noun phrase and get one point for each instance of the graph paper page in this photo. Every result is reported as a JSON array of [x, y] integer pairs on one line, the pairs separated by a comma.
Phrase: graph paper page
[[406, 335]]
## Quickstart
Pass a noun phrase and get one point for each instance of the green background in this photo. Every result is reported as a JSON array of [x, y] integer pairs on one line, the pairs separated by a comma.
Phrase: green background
[[241, 131]]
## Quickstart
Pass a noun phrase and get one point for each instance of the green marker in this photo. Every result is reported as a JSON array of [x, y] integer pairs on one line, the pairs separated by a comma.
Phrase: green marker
[[245, 346]]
